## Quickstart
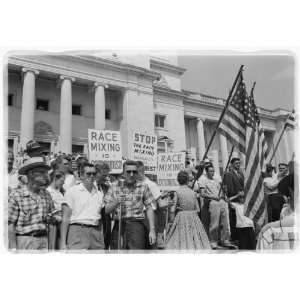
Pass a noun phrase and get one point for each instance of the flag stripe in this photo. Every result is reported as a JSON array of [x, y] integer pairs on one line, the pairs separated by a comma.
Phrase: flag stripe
[[251, 141], [233, 128], [233, 114], [229, 136]]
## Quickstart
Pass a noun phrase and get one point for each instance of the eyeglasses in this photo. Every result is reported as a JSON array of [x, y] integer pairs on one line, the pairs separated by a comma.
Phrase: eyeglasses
[[90, 174], [131, 171]]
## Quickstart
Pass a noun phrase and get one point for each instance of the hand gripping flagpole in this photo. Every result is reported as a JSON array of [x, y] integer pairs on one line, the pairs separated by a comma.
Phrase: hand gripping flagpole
[[201, 168]]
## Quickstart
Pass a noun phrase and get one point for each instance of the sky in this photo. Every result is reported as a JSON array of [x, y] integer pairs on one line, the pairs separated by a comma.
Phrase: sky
[[215, 74]]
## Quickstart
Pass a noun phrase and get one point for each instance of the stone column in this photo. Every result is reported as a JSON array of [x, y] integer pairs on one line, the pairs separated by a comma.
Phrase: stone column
[[224, 150], [201, 140], [66, 114], [28, 106], [99, 106]]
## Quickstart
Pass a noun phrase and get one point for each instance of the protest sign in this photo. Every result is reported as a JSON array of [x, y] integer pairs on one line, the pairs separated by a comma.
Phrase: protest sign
[[105, 145], [144, 148], [168, 166]]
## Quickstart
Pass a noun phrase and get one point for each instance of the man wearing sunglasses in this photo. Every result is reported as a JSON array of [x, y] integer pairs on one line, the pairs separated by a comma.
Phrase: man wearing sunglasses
[[134, 196], [81, 226]]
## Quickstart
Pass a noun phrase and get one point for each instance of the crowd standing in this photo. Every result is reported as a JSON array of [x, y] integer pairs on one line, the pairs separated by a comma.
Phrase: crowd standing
[[63, 202]]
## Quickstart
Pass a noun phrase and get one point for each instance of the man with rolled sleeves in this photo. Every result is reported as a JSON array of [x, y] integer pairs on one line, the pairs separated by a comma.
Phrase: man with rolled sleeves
[[137, 216]]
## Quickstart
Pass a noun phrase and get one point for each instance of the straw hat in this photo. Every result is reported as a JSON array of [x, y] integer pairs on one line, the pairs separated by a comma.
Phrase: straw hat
[[31, 163]]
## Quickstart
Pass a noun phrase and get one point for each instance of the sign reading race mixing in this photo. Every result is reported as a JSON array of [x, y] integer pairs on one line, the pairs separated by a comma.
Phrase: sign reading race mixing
[[105, 145], [168, 166]]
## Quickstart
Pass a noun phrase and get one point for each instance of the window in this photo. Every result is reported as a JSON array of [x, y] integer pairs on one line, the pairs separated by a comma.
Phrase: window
[[10, 100], [160, 121], [77, 148], [76, 110], [42, 104], [107, 114], [10, 144]]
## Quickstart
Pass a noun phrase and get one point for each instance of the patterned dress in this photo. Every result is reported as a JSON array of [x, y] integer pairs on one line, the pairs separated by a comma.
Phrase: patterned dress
[[187, 231]]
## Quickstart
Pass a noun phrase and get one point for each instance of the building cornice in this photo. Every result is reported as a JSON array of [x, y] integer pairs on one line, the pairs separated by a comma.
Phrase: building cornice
[[157, 89], [79, 75], [166, 67], [214, 102], [116, 65]]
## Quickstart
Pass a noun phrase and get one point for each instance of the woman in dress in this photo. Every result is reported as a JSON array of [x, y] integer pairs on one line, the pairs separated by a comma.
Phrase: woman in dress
[[187, 231]]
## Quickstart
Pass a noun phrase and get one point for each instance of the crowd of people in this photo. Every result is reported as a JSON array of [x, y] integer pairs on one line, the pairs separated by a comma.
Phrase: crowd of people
[[63, 202]]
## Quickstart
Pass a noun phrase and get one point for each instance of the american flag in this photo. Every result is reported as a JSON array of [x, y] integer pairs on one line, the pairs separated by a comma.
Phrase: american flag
[[232, 125], [241, 126], [256, 157]]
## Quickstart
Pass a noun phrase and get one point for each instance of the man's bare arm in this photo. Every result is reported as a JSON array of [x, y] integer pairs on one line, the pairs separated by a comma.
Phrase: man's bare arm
[[66, 214], [150, 216]]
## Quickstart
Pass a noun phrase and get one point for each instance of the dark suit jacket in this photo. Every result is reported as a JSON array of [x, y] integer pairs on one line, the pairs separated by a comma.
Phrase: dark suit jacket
[[233, 183]]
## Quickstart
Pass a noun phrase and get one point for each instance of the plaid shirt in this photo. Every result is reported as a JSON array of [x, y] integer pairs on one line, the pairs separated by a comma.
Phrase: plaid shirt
[[134, 201], [27, 210], [282, 238]]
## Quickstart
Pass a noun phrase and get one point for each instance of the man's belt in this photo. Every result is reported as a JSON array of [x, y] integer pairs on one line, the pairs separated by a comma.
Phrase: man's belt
[[34, 233], [85, 225]]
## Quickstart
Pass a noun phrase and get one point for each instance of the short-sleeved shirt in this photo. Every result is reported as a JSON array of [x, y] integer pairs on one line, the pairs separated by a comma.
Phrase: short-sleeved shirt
[[210, 186], [69, 181], [56, 196], [270, 181], [85, 205], [27, 210], [134, 199], [153, 187], [154, 190]]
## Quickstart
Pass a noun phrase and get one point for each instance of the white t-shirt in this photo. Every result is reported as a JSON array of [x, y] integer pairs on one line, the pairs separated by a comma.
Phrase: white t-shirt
[[56, 196], [268, 182], [85, 206], [153, 187], [155, 191], [69, 181], [210, 186]]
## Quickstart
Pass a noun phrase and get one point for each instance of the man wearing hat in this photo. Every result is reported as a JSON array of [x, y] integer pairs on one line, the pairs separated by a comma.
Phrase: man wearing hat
[[34, 149], [29, 207]]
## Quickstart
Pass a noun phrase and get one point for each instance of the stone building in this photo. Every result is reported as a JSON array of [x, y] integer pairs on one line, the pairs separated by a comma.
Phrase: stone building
[[56, 98]]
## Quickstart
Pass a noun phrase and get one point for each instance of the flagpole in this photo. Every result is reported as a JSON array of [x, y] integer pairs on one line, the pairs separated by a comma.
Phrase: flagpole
[[228, 161], [253, 87], [200, 170], [277, 144]]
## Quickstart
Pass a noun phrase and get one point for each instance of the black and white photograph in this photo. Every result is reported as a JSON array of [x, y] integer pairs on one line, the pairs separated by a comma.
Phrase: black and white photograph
[[150, 151]]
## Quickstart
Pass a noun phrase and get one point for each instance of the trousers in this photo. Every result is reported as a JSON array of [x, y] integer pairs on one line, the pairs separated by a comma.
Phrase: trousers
[[31, 242], [218, 211], [134, 235], [85, 238]]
